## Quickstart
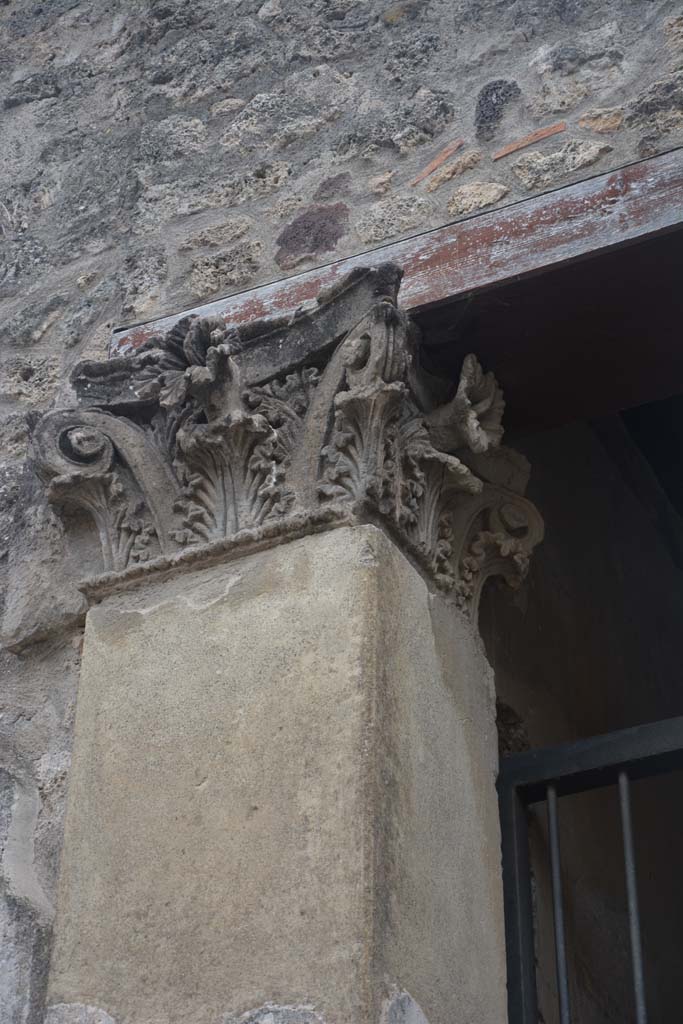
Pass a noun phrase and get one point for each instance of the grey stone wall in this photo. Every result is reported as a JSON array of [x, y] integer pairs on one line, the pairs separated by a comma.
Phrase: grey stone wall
[[160, 153]]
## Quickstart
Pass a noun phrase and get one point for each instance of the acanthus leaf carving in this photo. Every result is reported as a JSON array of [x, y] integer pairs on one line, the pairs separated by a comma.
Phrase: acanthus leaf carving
[[199, 454], [228, 457], [129, 497], [474, 417], [232, 476]]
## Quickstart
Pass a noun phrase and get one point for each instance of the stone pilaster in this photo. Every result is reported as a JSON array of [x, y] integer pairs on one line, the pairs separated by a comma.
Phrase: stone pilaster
[[282, 797]]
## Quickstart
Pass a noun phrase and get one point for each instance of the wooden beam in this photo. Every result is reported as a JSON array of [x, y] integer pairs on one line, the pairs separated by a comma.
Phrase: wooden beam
[[589, 217]]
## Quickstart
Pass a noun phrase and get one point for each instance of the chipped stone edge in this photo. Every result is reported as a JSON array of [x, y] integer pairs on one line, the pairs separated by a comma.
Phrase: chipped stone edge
[[398, 1008], [251, 541], [77, 1013], [243, 543], [276, 1013], [401, 1008]]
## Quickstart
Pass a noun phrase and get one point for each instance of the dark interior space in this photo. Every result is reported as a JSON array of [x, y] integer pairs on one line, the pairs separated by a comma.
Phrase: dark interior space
[[581, 341], [591, 365], [657, 429]]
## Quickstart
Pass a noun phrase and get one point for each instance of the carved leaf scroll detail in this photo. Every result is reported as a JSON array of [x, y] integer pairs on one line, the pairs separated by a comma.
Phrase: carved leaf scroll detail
[[191, 453]]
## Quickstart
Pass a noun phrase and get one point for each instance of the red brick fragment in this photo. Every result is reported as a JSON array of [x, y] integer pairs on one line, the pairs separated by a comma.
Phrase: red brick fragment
[[528, 140], [450, 149]]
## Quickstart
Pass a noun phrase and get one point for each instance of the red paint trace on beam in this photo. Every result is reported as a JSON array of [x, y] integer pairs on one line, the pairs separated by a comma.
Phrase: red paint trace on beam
[[600, 213]]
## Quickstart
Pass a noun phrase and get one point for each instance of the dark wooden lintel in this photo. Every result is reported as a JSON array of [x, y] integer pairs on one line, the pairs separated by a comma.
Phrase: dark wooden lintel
[[605, 212]]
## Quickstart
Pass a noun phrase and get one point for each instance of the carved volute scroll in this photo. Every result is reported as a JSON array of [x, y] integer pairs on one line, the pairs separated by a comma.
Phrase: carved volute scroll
[[207, 434]]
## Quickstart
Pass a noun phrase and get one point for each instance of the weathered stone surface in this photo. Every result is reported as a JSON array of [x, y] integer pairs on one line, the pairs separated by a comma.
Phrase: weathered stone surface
[[198, 439], [558, 97], [491, 104], [574, 68], [99, 100], [121, 130], [330, 788], [381, 183], [537, 169], [271, 1013], [143, 274], [41, 600], [454, 169], [270, 10], [24, 958], [427, 115], [598, 47], [218, 235], [14, 438], [402, 1009], [40, 86], [315, 231], [223, 108], [212, 274], [272, 120], [659, 108], [36, 707], [29, 381], [214, 444], [331, 188], [77, 1013], [673, 29], [475, 196], [393, 216], [608, 120], [173, 138], [161, 203]]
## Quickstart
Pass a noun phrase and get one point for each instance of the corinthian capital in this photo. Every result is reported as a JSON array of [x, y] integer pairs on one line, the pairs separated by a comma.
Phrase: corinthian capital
[[210, 437]]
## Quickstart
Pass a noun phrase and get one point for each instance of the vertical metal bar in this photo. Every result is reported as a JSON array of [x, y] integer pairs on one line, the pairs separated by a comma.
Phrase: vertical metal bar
[[558, 908], [519, 926], [632, 894]]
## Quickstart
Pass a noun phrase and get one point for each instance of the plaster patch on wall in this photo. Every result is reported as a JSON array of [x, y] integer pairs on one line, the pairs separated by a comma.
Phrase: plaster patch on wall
[[402, 1009], [273, 1014], [196, 596], [210, 591], [77, 1013], [18, 858]]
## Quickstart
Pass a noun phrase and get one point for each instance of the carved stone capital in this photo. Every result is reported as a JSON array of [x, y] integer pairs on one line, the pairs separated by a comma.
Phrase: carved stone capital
[[206, 435]]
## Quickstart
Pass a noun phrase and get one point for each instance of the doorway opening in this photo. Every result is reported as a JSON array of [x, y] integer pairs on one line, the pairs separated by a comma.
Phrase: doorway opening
[[591, 362]]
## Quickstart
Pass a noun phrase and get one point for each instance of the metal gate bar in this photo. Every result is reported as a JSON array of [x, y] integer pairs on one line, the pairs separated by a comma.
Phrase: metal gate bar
[[614, 759], [558, 906], [632, 895]]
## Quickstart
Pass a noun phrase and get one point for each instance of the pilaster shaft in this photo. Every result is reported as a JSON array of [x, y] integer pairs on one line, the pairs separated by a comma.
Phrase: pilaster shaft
[[283, 793], [282, 797]]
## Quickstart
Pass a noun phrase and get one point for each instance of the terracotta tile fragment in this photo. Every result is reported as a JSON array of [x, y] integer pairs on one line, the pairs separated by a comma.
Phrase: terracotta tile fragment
[[528, 140], [449, 150]]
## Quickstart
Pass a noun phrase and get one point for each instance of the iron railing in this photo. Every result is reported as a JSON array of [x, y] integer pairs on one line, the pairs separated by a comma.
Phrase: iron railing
[[614, 759]]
